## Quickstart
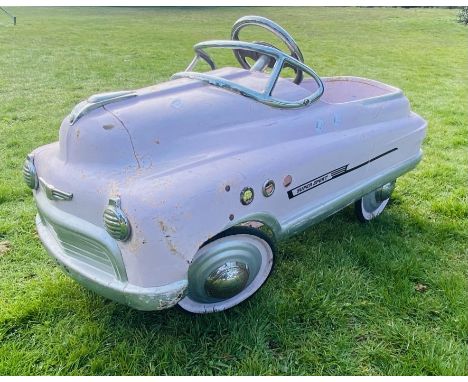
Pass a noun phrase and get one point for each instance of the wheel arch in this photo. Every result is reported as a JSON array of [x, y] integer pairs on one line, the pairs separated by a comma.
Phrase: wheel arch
[[264, 219], [194, 304], [258, 222], [245, 229]]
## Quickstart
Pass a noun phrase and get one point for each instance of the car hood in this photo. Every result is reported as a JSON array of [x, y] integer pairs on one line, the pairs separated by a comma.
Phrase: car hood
[[180, 123]]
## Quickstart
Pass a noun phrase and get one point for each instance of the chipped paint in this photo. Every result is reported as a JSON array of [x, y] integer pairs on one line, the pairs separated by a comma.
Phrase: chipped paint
[[337, 120], [167, 233], [137, 239], [319, 126], [164, 228], [176, 104], [253, 224]]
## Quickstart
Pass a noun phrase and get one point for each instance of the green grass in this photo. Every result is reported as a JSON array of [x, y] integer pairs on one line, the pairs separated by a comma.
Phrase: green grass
[[332, 306]]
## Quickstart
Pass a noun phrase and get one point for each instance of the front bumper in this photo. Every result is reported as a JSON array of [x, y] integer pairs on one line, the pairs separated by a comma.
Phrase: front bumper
[[92, 258]]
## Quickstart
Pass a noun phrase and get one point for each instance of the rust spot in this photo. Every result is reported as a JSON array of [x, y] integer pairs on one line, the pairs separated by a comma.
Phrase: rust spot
[[172, 247], [166, 228], [253, 224], [137, 239], [108, 126], [163, 226], [167, 238]]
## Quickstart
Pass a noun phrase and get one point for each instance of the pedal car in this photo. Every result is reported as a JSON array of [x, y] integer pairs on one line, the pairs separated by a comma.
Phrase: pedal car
[[176, 193]]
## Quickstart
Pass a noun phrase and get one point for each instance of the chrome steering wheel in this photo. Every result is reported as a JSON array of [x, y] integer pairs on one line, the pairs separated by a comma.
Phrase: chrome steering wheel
[[263, 62], [266, 55]]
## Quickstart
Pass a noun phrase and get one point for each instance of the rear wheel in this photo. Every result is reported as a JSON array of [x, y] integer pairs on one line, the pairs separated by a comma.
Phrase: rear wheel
[[372, 204], [228, 269]]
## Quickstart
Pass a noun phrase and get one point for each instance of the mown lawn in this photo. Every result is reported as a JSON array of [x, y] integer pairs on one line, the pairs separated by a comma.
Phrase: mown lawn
[[389, 297]]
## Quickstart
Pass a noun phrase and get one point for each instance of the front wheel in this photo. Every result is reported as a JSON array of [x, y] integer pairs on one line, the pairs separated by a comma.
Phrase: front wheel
[[372, 204], [228, 269]]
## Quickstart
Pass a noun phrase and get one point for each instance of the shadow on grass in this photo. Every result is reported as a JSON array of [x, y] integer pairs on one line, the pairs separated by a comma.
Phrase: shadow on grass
[[397, 245], [330, 281]]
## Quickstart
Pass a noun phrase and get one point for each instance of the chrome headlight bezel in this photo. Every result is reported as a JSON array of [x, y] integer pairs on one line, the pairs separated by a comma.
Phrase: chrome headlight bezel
[[115, 221], [29, 173]]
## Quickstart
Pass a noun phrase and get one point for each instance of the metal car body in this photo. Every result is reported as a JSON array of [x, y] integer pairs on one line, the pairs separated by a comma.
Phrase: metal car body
[[141, 180]]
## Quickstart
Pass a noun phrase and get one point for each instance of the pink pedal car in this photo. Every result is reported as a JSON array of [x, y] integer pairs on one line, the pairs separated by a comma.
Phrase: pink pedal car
[[175, 193]]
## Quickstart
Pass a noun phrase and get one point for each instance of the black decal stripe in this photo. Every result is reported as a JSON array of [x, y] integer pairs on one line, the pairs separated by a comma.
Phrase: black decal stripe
[[333, 175], [339, 170], [373, 159], [291, 193]]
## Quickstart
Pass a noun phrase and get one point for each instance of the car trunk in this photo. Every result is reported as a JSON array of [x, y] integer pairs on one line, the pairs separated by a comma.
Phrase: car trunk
[[351, 89]]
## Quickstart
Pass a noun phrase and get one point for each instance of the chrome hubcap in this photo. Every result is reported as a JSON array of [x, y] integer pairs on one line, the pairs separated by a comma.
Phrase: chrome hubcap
[[227, 271], [384, 192], [373, 200], [224, 269], [227, 280], [372, 204]]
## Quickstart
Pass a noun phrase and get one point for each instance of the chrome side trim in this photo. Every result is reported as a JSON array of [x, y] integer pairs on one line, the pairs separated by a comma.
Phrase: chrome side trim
[[264, 97], [53, 193], [96, 101]]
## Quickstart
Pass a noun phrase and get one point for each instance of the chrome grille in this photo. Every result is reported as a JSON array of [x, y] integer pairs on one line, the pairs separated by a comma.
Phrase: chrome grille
[[82, 248]]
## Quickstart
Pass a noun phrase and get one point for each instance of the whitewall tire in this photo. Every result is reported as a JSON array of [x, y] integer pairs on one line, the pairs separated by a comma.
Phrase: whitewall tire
[[228, 269]]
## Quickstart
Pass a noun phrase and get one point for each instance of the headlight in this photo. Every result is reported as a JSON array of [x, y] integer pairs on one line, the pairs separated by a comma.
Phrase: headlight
[[115, 221], [29, 173]]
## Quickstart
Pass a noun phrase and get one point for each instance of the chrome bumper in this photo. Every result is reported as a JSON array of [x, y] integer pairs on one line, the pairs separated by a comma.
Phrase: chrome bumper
[[92, 258]]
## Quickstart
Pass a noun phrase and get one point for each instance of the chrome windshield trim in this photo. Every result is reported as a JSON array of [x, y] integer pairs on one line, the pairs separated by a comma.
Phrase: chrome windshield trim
[[264, 97]]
